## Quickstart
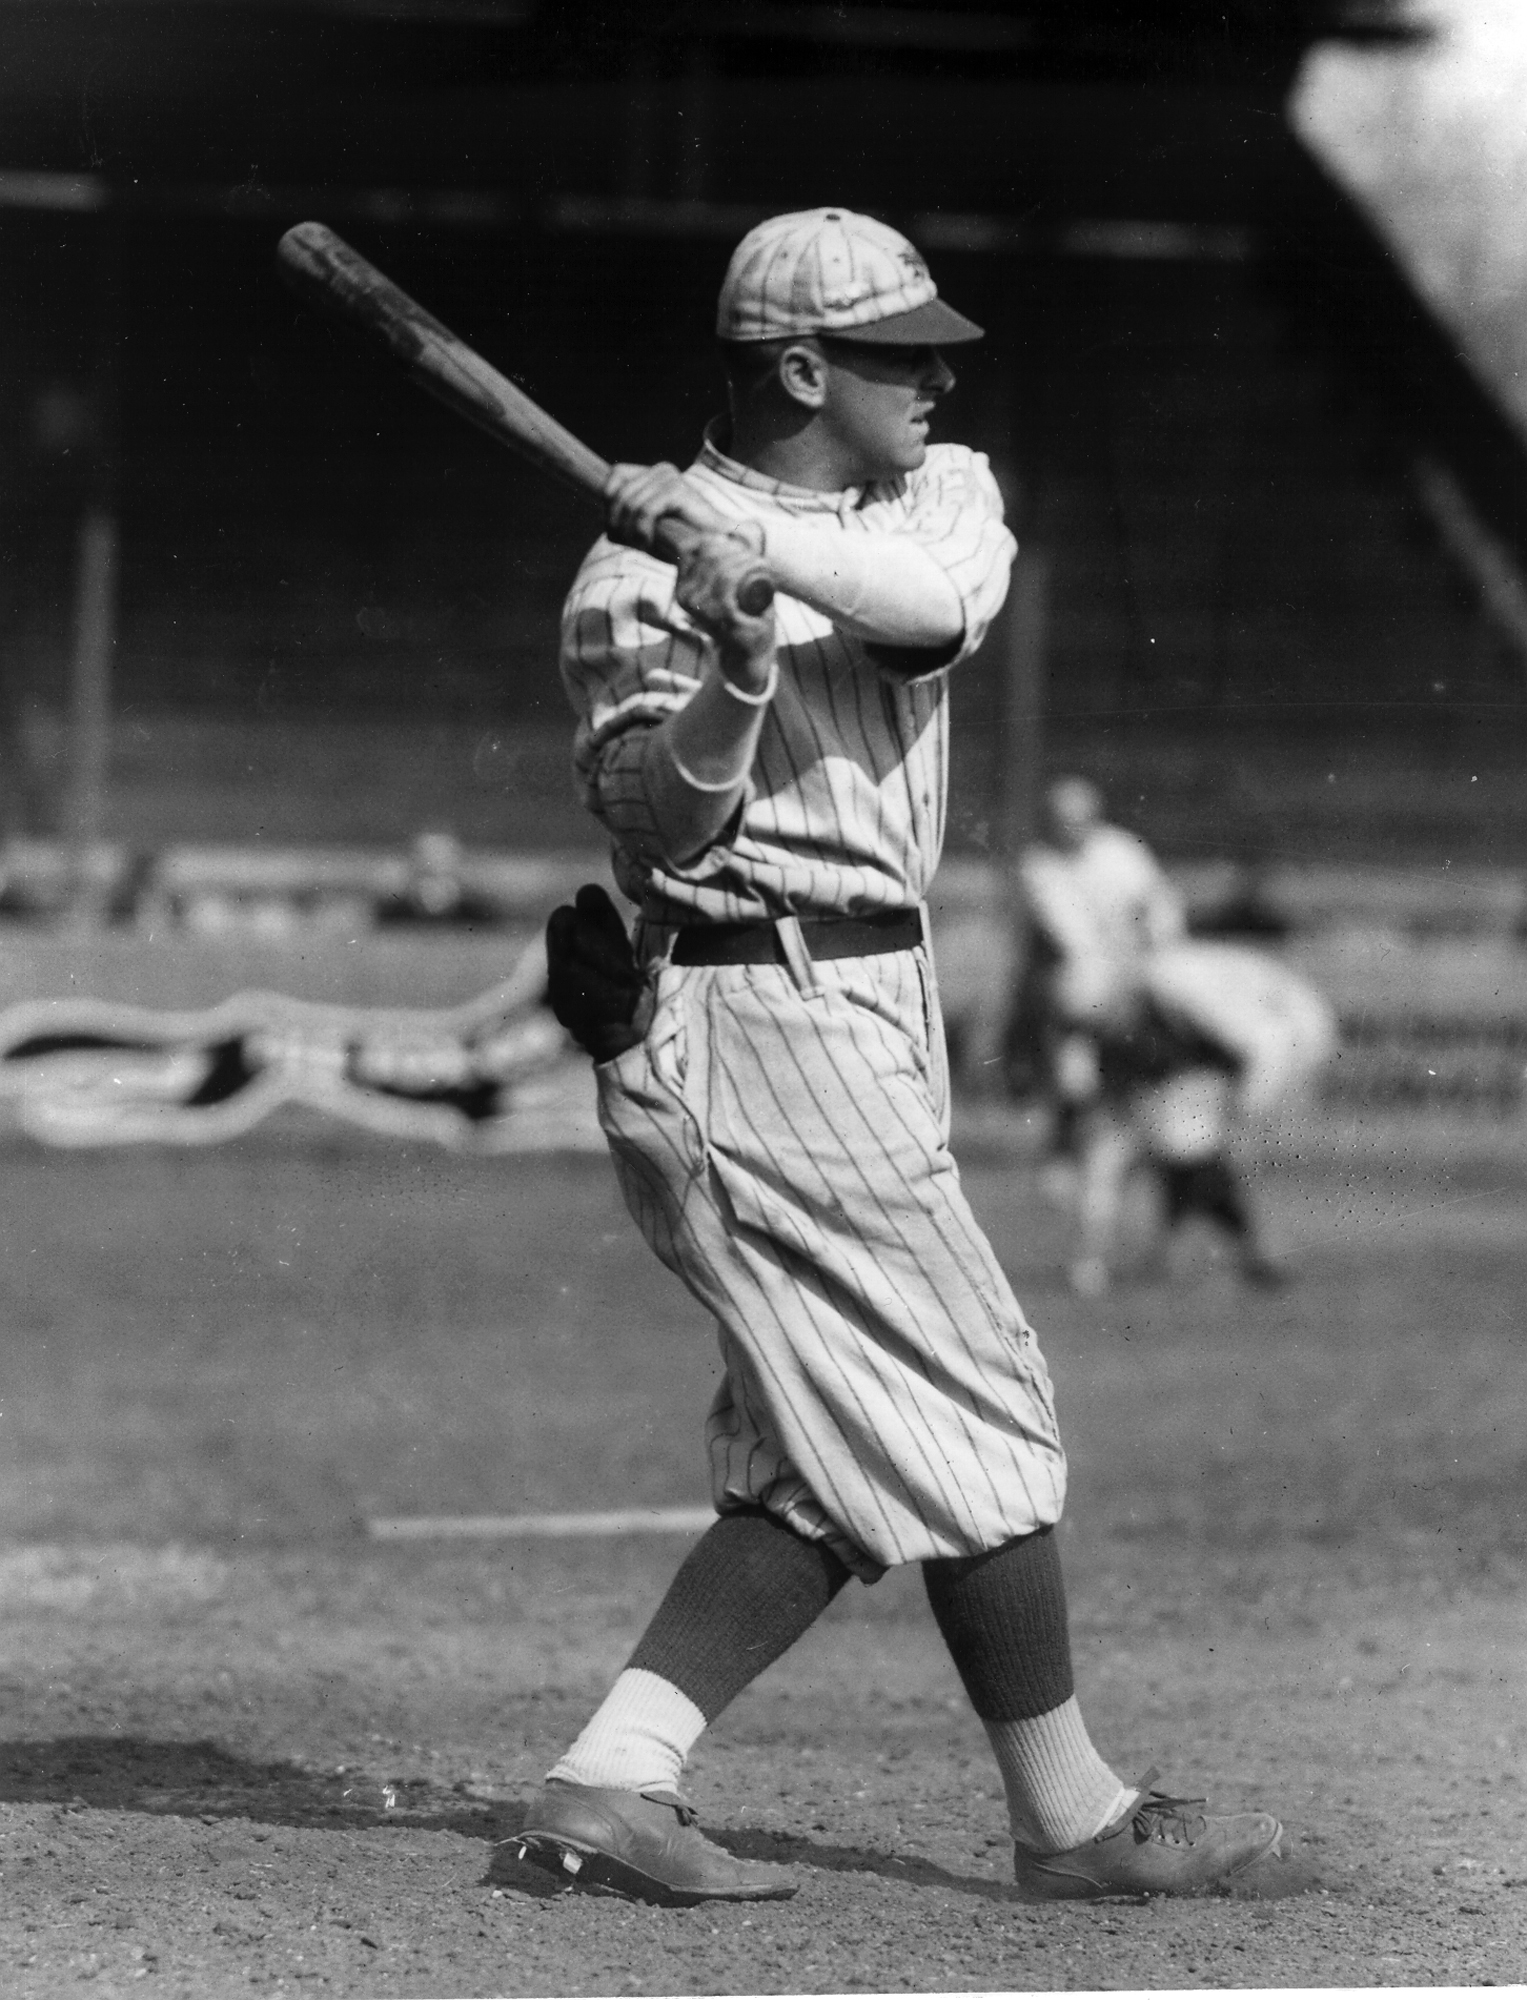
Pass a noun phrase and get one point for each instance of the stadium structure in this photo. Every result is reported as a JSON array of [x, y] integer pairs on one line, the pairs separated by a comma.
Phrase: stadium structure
[[260, 592]]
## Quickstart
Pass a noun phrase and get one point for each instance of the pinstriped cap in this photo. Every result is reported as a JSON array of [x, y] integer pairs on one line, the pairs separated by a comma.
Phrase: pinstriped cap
[[827, 270]]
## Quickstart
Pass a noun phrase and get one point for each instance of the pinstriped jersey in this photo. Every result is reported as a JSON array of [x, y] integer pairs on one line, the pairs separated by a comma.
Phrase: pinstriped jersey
[[844, 809]]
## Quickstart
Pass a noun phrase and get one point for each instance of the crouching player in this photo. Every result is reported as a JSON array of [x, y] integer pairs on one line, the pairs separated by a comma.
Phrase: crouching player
[[1200, 1061]]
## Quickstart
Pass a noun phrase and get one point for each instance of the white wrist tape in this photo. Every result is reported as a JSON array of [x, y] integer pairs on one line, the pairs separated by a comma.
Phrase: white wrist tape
[[885, 588], [765, 695], [715, 786]]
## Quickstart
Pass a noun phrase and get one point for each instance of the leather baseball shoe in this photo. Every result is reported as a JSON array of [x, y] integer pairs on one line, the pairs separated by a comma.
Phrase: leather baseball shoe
[[1158, 1846], [641, 1844]]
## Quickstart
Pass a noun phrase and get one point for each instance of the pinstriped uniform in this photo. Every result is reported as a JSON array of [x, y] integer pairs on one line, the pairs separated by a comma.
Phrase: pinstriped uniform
[[852, 267], [846, 813], [785, 1150]]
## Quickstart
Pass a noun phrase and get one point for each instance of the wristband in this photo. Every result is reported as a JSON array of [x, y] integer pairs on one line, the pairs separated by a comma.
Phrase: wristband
[[770, 688], [702, 784]]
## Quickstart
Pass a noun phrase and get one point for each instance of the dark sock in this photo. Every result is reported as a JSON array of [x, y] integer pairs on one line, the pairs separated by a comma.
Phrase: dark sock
[[1221, 1199], [1177, 1188], [1003, 1617], [744, 1594], [1206, 1188]]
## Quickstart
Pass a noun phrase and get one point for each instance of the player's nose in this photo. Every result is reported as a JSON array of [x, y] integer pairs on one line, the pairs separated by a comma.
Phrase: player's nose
[[938, 376]]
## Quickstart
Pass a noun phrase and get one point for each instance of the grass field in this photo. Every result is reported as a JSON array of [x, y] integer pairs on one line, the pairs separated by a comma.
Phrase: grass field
[[246, 1747]]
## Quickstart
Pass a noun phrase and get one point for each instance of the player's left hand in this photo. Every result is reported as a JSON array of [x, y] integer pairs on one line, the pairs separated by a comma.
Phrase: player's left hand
[[640, 498], [710, 571], [592, 978]]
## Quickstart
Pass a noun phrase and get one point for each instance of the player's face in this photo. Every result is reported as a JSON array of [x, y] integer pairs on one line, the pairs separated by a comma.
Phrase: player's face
[[877, 404], [1073, 809]]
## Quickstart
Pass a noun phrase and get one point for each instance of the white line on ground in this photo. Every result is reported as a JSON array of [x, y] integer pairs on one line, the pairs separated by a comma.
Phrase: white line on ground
[[490, 1527]]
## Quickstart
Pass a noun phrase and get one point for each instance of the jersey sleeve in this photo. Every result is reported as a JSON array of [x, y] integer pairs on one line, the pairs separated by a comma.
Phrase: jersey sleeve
[[630, 658], [952, 507], [1165, 914], [1143, 888]]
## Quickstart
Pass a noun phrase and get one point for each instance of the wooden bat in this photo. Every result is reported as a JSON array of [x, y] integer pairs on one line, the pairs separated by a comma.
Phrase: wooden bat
[[323, 269]]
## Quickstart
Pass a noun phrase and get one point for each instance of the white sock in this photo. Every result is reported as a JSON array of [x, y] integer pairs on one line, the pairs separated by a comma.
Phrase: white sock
[[637, 1739], [1059, 1790]]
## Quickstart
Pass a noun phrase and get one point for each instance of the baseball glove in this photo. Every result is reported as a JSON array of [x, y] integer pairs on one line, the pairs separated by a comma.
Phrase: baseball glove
[[592, 979]]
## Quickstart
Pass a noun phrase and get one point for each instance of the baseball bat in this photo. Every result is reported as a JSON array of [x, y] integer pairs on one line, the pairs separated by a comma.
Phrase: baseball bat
[[323, 269]]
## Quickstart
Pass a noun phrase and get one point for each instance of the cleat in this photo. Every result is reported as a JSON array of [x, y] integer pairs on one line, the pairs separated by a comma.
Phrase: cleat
[[1268, 1274], [1158, 1846], [645, 1845]]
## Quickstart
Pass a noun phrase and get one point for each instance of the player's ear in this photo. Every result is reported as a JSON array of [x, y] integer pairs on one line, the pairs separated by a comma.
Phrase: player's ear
[[802, 374]]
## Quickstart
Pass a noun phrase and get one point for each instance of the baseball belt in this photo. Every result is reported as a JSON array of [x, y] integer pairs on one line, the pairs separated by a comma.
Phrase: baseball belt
[[824, 937]]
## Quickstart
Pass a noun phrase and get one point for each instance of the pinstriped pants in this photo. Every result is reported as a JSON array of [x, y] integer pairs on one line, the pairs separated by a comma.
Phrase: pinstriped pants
[[788, 1157]]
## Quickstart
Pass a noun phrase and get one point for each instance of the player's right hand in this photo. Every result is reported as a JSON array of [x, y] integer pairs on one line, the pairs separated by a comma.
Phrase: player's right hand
[[639, 498]]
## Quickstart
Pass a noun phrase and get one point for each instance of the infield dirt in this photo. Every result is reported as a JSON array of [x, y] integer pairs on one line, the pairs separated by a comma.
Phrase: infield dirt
[[246, 1748]]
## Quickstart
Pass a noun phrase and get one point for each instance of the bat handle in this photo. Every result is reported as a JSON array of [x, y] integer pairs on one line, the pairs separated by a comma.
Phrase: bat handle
[[754, 592]]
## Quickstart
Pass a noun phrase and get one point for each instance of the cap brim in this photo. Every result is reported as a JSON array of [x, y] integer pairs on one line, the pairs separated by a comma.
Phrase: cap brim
[[931, 325]]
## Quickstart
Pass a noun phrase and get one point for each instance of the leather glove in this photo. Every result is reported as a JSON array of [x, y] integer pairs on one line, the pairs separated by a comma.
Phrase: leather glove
[[593, 980]]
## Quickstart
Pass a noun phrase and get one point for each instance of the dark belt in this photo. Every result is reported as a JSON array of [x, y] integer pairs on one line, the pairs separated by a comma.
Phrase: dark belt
[[825, 937]]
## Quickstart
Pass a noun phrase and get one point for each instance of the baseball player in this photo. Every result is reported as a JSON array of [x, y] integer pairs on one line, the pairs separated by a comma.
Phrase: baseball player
[[1101, 898], [1278, 1032], [1099, 905], [1166, 1052], [771, 1074], [1167, 1100]]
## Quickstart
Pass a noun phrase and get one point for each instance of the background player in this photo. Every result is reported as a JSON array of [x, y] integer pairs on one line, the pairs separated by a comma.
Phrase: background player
[[778, 1115], [1160, 1051], [1099, 904], [1168, 1100], [1101, 898]]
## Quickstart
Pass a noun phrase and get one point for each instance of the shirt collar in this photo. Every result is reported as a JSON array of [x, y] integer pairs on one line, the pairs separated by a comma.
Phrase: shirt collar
[[799, 499]]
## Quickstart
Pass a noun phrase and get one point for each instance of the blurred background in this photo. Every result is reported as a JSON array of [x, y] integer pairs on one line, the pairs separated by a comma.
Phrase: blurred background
[[282, 740], [1257, 300]]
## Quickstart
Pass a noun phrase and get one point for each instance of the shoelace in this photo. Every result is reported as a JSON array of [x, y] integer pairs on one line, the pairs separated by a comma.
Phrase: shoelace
[[1155, 1815], [686, 1812]]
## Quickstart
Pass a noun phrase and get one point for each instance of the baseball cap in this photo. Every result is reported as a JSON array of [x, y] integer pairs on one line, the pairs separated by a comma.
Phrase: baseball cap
[[827, 270]]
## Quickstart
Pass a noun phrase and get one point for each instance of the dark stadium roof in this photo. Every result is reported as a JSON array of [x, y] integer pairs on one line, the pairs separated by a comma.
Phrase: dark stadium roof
[[43, 42]]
